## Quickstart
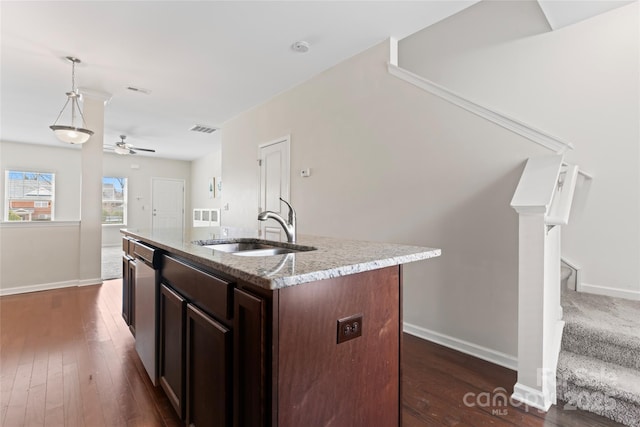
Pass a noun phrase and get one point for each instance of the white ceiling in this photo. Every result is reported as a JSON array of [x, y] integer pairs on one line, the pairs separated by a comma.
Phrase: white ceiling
[[203, 62], [561, 13]]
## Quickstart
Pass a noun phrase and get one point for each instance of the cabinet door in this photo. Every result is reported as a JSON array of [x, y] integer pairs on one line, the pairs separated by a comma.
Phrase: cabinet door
[[249, 360], [208, 371], [132, 296], [126, 291], [172, 315]]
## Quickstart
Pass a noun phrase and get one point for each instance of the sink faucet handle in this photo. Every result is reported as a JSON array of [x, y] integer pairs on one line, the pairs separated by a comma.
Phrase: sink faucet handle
[[292, 212]]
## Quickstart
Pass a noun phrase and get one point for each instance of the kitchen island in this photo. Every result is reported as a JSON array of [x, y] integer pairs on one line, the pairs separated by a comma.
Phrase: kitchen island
[[308, 338]]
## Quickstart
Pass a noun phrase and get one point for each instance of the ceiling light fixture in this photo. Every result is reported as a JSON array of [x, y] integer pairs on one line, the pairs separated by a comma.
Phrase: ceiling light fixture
[[300, 47], [71, 133], [121, 150]]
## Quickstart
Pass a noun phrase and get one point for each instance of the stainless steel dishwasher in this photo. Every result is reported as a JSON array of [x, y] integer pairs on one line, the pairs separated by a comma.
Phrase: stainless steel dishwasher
[[147, 279]]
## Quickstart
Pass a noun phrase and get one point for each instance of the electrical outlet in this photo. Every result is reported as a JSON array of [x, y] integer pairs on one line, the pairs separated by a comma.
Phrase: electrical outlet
[[349, 328]]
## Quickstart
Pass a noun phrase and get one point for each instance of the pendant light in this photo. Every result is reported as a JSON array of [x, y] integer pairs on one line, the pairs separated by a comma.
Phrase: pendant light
[[71, 133]]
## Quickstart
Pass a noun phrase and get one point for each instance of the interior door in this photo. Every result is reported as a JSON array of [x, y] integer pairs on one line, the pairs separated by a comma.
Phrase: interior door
[[167, 199], [274, 183]]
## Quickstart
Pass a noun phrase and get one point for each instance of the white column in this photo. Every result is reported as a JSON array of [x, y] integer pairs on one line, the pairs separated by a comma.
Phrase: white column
[[539, 323], [539, 315], [89, 262]]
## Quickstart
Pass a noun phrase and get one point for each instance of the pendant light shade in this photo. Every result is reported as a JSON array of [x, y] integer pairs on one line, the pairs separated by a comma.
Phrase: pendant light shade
[[71, 133]]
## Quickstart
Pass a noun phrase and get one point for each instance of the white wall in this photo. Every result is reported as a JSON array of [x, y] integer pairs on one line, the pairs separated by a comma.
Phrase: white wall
[[393, 163], [63, 161], [43, 253], [46, 255], [38, 256], [202, 170], [579, 83], [139, 170]]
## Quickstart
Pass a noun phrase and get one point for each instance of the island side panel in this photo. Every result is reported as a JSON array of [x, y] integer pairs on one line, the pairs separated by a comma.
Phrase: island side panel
[[353, 383]]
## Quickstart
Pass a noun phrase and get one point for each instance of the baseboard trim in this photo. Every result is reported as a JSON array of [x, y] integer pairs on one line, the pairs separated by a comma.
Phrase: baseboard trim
[[89, 282], [48, 286], [610, 292], [531, 397], [466, 347], [36, 288], [575, 282]]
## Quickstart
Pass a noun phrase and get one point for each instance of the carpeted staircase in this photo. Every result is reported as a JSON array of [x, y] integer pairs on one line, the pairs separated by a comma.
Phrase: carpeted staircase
[[599, 364]]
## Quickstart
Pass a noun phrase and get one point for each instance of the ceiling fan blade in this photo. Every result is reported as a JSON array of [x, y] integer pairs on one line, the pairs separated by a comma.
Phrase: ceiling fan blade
[[130, 147]]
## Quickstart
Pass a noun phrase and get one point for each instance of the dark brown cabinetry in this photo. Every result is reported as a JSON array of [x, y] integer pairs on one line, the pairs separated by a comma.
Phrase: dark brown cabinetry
[[196, 343], [132, 296], [126, 290], [321, 381], [208, 371], [250, 364], [171, 351], [128, 284], [236, 354]]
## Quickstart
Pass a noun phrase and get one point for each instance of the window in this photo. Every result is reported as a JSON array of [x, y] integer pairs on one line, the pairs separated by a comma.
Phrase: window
[[114, 200], [29, 196]]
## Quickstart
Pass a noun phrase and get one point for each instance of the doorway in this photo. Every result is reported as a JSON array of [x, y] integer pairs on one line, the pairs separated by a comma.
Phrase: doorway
[[167, 201], [274, 183]]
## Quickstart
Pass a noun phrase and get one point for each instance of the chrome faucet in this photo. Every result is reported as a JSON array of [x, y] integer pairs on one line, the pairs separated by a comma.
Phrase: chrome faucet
[[289, 226]]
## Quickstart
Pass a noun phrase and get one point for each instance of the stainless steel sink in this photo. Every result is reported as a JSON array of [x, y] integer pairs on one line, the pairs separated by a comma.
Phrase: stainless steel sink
[[239, 246], [265, 252], [254, 248]]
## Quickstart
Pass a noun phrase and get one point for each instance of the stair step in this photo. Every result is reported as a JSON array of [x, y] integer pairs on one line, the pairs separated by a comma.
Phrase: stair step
[[602, 327], [600, 387], [601, 345]]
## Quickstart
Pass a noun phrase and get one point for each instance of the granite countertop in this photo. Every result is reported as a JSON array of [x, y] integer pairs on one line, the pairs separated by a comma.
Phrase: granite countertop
[[331, 258]]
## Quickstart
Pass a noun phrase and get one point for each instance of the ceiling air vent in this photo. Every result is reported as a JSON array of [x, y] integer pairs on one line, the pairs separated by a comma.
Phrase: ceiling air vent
[[203, 129], [138, 89]]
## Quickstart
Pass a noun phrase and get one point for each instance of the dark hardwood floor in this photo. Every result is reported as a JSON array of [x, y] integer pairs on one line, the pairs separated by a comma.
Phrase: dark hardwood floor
[[68, 359], [443, 387]]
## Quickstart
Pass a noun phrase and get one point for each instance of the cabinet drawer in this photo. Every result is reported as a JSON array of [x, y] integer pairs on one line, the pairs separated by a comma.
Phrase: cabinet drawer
[[127, 246], [212, 294], [147, 253]]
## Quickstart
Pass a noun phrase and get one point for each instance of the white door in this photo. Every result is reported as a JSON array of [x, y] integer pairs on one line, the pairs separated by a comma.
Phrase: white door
[[167, 199], [274, 183]]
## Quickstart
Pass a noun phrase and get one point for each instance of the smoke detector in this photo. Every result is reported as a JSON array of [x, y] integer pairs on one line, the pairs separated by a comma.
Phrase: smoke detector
[[300, 47]]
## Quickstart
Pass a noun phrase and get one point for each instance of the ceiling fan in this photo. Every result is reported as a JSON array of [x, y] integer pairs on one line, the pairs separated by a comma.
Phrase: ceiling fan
[[124, 148]]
